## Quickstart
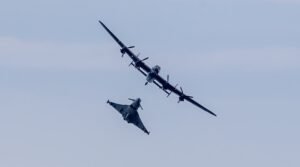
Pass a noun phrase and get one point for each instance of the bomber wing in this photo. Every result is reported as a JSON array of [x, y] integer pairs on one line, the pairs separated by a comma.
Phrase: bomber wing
[[166, 85], [199, 105], [125, 49]]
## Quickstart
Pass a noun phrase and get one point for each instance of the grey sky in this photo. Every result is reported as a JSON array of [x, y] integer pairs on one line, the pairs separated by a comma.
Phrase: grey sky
[[58, 66]]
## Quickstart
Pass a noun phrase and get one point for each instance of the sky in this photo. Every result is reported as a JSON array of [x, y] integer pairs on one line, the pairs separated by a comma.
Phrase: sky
[[58, 66]]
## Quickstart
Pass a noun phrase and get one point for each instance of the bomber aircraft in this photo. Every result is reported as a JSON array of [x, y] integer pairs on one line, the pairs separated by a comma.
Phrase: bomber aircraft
[[152, 74], [130, 114]]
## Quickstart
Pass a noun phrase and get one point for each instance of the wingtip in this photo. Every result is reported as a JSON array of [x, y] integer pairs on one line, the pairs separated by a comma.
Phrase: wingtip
[[213, 114], [100, 22]]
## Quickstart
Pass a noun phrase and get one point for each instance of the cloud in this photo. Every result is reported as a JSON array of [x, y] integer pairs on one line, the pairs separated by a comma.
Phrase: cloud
[[284, 1], [22, 54], [246, 60]]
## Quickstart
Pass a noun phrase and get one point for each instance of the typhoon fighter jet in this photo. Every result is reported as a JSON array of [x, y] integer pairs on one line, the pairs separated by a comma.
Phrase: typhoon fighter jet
[[152, 74], [129, 113]]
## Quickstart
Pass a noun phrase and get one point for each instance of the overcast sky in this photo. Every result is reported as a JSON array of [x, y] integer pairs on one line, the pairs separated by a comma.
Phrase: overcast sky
[[58, 67]]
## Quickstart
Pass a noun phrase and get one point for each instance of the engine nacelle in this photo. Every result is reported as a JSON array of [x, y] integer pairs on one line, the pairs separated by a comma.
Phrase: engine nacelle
[[122, 50]]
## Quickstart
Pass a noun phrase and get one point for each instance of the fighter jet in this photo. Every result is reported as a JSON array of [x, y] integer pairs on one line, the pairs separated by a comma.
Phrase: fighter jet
[[130, 114], [152, 74]]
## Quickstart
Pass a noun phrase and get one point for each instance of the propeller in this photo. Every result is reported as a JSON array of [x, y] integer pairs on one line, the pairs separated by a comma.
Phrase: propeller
[[131, 99], [137, 64], [183, 96], [123, 50], [172, 91], [165, 86]]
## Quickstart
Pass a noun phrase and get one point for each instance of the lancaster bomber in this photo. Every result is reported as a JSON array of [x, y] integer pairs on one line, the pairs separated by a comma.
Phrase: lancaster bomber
[[129, 113], [152, 74]]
